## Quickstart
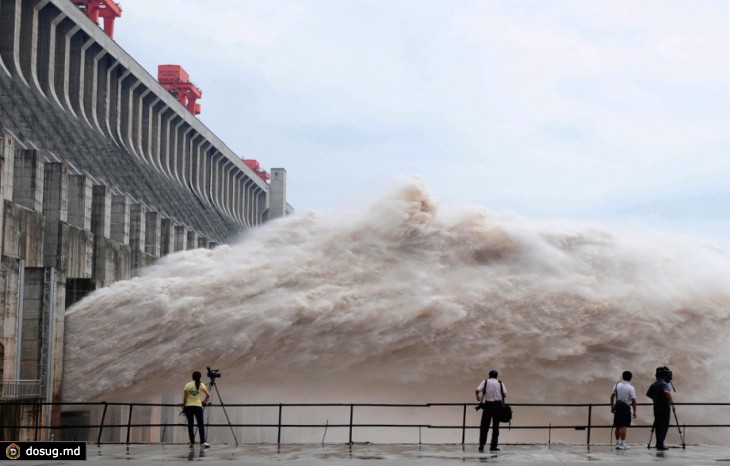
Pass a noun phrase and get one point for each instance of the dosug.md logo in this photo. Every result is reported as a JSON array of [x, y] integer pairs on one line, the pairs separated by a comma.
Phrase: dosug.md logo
[[12, 451]]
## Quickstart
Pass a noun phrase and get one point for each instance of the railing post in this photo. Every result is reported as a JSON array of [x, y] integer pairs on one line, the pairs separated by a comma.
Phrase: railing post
[[550, 433], [129, 422], [37, 421], [588, 440], [463, 427], [278, 428], [101, 424], [352, 408]]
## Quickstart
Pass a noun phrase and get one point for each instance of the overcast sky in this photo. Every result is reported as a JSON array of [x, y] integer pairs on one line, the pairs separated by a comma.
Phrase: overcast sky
[[585, 109]]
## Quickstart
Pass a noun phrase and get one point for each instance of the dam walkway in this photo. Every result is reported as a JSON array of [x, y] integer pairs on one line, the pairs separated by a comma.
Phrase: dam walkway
[[395, 455]]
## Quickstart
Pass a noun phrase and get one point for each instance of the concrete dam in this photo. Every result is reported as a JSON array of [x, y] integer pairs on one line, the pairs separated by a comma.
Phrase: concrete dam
[[102, 172]]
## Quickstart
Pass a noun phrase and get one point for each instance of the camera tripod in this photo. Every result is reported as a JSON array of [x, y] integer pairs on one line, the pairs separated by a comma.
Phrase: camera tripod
[[676, 419], [212, 384]]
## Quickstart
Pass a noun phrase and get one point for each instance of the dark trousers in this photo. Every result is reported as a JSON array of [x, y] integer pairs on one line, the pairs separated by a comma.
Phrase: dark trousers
[[661, 423], [489, 416], [195, 413]]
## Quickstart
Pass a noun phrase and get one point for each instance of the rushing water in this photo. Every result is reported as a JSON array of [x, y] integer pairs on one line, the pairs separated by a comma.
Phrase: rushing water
[[410, 301]]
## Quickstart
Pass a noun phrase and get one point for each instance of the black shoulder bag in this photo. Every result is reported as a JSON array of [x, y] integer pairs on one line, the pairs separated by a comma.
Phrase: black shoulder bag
[[620, 406], [505, 411]]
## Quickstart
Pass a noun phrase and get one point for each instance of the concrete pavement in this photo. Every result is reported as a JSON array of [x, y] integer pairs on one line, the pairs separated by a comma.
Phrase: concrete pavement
[[394, 454]]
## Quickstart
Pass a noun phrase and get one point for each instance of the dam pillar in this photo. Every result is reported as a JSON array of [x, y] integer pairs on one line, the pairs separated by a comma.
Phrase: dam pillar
[[7, 166], [180, 242], [101, 229], [80, 257], [28, 179], [79, 202], [8, 161], [55, 211], [138, 237], [10, 285], [153, 226], [112, 256], [166, 236], [55, 261], [120, 210], [23, 218], [192, 240]]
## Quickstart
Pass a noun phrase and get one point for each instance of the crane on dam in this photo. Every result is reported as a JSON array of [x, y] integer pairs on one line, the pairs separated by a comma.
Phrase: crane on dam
[[177, 81], [106, 9]]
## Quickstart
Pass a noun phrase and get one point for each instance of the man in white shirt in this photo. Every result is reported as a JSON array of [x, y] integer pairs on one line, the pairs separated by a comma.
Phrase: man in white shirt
[[490, 393], [623, 401]]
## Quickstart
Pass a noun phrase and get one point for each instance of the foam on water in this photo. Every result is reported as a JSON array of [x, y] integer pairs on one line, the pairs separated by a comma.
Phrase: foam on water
[[407, 301]]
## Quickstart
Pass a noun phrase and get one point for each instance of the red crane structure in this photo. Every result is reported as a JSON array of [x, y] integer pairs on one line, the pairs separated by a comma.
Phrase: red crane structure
[[176, 80], [255, 166], [107, 9]]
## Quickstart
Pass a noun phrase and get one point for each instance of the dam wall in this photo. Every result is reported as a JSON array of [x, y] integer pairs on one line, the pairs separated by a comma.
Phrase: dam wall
[[102, 171]]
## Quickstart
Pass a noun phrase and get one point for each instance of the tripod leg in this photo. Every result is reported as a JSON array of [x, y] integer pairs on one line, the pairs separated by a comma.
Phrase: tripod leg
[[681, 435], [648, 445], [225, 412]]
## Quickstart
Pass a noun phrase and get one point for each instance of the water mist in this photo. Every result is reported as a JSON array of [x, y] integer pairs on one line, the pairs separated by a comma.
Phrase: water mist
[[409, 302]]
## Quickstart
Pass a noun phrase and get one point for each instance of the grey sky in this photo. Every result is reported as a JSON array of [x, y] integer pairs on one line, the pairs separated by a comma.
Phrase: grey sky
[[590, 109]]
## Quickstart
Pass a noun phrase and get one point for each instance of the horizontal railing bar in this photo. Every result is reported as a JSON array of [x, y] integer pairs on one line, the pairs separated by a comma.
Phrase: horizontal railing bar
[[429, 426], [575, 405], [292, 405]]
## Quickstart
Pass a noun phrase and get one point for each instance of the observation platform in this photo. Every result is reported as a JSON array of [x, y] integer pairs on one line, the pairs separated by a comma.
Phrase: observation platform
[[395, 454]]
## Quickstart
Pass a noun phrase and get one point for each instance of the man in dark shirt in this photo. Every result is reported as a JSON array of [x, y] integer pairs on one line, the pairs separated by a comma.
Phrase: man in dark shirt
[[661, 396]]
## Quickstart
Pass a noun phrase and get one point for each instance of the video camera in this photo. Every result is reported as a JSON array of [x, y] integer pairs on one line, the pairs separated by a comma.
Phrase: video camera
[[213, 373], [664, 373]]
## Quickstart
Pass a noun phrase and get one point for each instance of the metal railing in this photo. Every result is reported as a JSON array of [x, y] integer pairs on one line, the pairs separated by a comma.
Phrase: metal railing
[[521, 421], [21, 389]]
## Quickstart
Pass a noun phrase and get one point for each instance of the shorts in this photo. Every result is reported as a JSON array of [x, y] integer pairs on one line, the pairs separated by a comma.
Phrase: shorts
[[622, 415]]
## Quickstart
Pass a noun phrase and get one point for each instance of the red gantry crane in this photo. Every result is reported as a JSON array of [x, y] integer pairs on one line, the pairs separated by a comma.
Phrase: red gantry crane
[[95, 9], [255, 166], [176, 80]]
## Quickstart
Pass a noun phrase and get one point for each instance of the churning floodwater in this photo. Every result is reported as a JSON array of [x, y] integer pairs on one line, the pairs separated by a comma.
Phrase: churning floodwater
[[410, 301]]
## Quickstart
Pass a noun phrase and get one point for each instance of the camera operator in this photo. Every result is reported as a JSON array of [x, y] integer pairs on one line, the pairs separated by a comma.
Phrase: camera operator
[[193, 408], [623, 401], [661, 396], [490, 393]]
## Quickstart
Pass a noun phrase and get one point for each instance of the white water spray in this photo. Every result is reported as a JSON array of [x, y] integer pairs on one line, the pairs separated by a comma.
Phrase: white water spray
[[411, 303]]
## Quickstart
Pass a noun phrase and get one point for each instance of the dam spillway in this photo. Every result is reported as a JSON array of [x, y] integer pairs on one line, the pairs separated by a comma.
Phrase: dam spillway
[[102, 172]]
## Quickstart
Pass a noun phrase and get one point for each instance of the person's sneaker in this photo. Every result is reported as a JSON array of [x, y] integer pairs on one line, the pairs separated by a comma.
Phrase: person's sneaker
[[494, 449], [620, 446], [481, 448], [626, 446], [205, 445], [617, 444], [192, 445]]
